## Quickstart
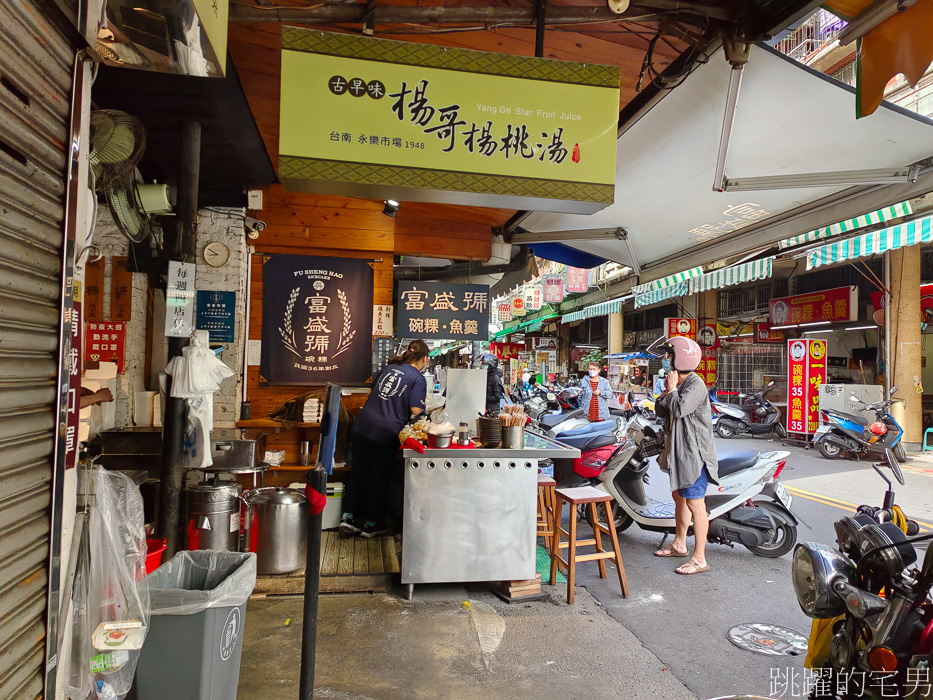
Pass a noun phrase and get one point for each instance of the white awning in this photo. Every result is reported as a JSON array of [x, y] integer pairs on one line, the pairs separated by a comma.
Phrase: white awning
[[737, 274], [789, 119], [878, 216], [891, 238], [604, 308], [676, 278]]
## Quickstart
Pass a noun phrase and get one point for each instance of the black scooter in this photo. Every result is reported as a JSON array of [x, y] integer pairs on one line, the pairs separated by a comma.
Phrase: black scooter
[[732, 420]]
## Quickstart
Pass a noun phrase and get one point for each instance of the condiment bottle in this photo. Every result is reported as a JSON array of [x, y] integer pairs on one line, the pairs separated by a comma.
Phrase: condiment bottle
[[464, 438]]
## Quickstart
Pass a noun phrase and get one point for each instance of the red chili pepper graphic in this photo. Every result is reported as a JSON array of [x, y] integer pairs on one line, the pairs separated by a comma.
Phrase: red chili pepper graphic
[[576, 153]]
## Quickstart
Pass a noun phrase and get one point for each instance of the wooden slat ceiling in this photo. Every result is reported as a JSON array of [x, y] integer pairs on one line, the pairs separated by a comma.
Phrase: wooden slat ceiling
[[255, 48]]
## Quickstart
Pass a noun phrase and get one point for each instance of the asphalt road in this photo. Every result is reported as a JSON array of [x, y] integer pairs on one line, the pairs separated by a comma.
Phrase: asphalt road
[[684, 619]]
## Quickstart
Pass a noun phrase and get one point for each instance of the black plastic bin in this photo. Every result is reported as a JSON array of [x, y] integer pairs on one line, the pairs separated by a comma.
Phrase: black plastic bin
[[195, 637]]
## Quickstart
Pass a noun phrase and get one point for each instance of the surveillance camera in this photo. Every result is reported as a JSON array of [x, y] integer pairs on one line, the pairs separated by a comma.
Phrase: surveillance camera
[[254, 227]]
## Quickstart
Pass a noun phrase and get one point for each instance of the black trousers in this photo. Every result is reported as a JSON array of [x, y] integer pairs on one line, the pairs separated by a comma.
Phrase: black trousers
[[367, 493]]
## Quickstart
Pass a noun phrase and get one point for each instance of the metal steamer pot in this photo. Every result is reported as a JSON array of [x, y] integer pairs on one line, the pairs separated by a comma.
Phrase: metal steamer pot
[[214, 515], [277, 529]]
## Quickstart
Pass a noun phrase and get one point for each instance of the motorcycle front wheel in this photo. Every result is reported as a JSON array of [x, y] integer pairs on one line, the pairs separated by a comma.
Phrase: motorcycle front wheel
[[780, 431], [830, 450], [724, 430], [783, 539]]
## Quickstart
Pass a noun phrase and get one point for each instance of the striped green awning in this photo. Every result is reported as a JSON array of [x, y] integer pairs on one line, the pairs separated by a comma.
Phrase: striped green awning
[[874, 217], [891, 238], [529, 326], [604, 308], [680, 289], [737, 274], [668, 281]]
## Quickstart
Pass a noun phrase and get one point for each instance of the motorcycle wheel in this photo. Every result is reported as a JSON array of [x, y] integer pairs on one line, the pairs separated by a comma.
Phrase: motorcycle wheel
[[900, 452], [724, 430], [780, 431], [785, 537], [830, 450], [621, 519]]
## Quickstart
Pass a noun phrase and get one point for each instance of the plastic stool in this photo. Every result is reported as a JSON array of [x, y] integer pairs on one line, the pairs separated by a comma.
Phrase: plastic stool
[[926, 447]]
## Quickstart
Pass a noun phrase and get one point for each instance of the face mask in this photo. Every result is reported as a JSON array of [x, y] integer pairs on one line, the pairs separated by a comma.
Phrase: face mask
[[594, 372], [666, 364]]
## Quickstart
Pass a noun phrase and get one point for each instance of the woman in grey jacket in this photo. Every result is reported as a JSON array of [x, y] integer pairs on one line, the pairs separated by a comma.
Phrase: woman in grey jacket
[[689, 456]]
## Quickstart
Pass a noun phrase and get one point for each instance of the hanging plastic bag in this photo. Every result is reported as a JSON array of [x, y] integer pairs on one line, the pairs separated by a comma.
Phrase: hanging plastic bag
[[111, 594]]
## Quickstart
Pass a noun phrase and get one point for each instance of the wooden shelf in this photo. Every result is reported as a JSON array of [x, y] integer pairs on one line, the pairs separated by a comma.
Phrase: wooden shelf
[[268, 423]]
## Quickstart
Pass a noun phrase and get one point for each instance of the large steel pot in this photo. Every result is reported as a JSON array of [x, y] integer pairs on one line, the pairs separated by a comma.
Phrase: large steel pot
[[214, 515], [277, 528]]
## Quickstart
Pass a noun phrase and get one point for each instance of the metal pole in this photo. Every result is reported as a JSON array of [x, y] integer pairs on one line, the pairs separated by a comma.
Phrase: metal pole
[[541, 10], [316, 491], [176, 410]]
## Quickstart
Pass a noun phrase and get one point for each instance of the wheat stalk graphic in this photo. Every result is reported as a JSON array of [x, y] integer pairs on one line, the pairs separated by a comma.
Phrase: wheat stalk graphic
[[347, 334], [288, 333]]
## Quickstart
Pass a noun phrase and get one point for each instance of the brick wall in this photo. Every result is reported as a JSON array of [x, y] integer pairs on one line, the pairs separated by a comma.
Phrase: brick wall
[[112, 243], [226, 226]]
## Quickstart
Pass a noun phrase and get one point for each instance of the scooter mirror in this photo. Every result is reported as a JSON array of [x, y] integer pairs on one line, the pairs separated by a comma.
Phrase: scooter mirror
[[854, 398], [895, 467], [893, 390], [770, 384]]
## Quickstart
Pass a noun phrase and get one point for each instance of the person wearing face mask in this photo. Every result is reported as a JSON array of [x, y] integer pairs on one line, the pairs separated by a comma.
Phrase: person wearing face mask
[[595, 394], [397, 395], [689, 455], [659, 384]]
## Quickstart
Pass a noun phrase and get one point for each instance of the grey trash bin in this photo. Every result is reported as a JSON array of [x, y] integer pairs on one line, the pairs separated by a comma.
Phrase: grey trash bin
[[195, 637]]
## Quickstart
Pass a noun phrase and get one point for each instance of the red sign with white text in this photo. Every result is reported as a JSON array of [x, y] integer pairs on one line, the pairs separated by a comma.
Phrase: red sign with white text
[[837, 305], [577, 279], [105, 342], [806, 371], [764, 334]]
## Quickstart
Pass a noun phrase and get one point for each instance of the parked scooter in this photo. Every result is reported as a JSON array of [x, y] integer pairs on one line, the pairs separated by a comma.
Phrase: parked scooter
[[766, 527], [840, 431], [872, 633], [731, 420]]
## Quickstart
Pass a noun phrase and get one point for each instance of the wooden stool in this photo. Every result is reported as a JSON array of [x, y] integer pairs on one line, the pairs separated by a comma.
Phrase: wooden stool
[[546, 486], [574, 497]]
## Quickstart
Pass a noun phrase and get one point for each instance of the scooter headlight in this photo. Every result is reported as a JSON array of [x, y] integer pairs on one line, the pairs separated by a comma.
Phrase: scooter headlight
[[814, 570]]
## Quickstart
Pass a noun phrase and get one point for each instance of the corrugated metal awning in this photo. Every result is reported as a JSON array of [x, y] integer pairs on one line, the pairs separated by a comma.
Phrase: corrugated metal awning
[[873, 243], [878, 216]]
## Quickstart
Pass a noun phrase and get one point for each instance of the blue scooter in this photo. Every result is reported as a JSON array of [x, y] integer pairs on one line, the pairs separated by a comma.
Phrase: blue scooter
[[840, 431]]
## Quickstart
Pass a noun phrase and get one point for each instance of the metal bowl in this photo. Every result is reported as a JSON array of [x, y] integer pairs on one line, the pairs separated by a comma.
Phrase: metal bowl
[[439, 441]]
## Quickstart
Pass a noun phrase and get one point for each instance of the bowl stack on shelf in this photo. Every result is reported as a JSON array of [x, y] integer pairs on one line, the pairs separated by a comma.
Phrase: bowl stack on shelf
[[489, 430]]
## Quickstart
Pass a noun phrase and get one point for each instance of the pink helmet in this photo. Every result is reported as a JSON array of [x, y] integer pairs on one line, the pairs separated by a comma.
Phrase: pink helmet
[[687, 353]]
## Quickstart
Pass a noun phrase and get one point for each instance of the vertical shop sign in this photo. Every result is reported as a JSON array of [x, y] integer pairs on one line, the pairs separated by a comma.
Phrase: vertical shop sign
[[382, 320], [534, 297], [74, 381], [577, 280], [315, 314], [179, 299], [708, 341], [94, 290], [686, 327], [806, 372], [505, 312], [442, 311], [121, 290], [217, 315], [105, 341], [553, 289], [518, 306]]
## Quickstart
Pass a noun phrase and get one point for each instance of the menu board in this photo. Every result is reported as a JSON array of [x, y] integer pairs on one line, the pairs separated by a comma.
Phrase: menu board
[[443, 311]]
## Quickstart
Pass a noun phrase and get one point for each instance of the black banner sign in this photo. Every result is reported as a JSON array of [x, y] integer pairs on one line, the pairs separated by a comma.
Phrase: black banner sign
[[317, 319], [440, 311]]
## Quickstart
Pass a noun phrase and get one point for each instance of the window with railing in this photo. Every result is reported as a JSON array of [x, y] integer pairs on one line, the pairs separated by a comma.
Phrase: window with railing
[[749, 299], [814, 32], [846, 74]]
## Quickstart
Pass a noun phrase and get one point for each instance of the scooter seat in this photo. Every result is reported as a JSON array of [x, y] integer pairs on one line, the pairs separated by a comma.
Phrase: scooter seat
[[588, 441], [733, 462], [549, 420], [858, 420], [603, 426]]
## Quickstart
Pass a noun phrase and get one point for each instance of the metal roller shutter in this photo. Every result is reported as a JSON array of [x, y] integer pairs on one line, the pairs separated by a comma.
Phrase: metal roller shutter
[[36, 72]]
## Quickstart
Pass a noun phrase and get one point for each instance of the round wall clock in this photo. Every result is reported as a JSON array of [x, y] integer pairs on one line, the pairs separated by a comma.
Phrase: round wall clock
[[216, 254]]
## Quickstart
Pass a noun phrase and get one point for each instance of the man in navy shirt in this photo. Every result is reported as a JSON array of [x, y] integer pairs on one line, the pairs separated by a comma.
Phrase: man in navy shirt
[[398, 394]]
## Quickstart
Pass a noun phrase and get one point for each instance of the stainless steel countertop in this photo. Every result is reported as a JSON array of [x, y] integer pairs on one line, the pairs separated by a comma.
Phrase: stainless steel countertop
[[536, 447]]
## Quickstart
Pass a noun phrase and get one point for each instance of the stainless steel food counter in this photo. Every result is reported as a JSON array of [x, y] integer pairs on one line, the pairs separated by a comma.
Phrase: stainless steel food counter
[[470, 514]]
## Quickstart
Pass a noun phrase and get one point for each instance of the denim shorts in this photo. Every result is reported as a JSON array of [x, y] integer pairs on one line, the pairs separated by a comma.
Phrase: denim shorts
[[698, 490]]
